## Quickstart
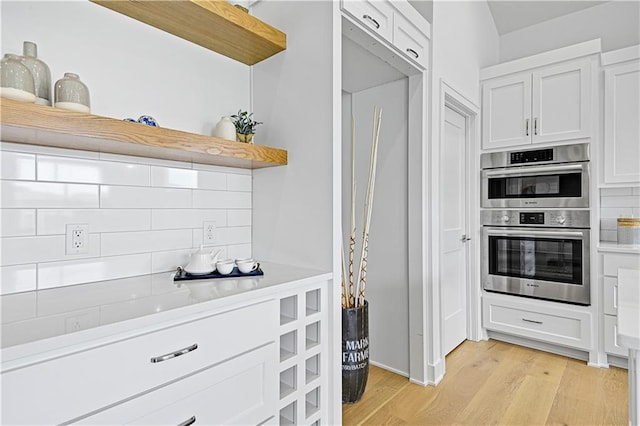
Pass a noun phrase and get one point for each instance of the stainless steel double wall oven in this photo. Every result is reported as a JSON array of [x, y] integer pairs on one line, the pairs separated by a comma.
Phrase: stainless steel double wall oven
[[536, 223]]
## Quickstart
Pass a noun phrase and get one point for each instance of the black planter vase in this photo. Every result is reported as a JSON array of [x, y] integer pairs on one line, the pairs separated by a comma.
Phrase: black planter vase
[[355, 352]]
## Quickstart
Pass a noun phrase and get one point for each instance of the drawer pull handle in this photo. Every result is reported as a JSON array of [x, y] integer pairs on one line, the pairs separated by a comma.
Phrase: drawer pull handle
[[369, 18], [188, 422], [531, 321], [535, 126], [413, 52], [174, 354], [526, 127]]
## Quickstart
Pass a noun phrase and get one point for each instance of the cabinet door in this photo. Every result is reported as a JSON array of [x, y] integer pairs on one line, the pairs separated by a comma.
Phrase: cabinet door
[[621, 124], [410, 40], [506, 111], [376, 15], [562, 102]]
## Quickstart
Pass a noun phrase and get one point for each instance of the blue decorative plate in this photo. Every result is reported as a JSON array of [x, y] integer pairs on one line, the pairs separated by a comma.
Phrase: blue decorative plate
[[148, 120]]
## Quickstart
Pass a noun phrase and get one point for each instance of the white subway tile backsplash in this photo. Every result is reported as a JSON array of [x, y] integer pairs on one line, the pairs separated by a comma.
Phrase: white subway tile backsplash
[[173, 177], [628, 201], [144, 160], [138, 197], [60, 274], [17, 222], [609, 224], [636, 190], [608, 235], [96, 294], [61, 169], [615, 212], [239, 217], [181, 218], [163, 261], [239, 251], [235, 235], [221, 199], [47, 150], [19, 250], [16, 279], [212, 180], [145, 215], [54, 221], [239, 183], [17, 165], [222, 169], [19, 194], [145, 241], [615, 192]]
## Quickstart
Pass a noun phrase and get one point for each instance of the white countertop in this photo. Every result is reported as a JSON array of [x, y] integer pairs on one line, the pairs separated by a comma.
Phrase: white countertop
[[59, 319], [629, 308]]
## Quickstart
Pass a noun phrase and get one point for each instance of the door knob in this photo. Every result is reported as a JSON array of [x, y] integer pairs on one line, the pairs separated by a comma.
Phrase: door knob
[[464, 238]]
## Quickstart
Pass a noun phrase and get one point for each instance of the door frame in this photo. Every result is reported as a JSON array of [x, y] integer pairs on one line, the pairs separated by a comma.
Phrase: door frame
[[450, 97]]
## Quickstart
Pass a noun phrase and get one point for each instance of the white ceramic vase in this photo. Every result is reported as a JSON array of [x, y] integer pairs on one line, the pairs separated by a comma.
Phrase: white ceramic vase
[[16, 81], [72, 94], [225, 129], [40, 72]]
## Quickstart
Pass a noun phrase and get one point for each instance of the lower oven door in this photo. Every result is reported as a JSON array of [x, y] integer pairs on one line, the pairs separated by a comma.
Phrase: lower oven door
[[544, 264]]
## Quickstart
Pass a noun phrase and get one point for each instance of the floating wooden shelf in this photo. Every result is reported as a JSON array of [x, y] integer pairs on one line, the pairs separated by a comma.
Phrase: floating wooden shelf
[[42, 125], [213, 24]]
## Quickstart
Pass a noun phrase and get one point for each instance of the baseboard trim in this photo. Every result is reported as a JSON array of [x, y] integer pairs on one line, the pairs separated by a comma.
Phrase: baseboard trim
[[386, 367]]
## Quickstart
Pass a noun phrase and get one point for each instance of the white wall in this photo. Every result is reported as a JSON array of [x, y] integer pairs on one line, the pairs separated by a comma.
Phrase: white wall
[[144, 215], [293, 92], [130, 68], [387, 274], [616, 23], [464, 41]]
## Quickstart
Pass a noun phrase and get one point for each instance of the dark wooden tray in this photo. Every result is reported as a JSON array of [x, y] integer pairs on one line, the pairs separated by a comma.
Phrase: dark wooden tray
[[182, 275]]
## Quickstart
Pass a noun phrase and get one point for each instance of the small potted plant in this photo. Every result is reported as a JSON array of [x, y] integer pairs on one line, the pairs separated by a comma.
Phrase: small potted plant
[[245, 125]]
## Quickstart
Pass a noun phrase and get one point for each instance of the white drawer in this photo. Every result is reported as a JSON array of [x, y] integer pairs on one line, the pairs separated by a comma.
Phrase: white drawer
[[412, 42], [550, 324], [610, 295], [610, 337], [73, 385], [375, 15], [613, 261], [241, 391]]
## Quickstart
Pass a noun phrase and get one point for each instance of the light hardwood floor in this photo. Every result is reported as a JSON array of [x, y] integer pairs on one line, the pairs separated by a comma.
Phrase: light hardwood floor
[[492, 382]]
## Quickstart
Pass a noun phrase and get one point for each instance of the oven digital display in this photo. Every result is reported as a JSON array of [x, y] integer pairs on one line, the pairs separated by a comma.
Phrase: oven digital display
[[531, 218], [531, 156]]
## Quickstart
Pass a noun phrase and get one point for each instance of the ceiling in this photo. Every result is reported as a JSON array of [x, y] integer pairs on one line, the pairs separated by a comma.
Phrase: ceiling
[[511, 15]]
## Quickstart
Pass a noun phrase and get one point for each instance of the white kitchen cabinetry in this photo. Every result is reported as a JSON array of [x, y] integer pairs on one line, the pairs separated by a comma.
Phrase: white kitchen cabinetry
[[397, 23], [621, 124], [256, 357], [69, 387], [551, 103], [611, 262], [549, 322]]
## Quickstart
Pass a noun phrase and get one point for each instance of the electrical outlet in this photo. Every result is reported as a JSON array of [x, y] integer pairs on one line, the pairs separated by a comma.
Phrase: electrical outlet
[[77, 240], [77, 323], [209, 232]]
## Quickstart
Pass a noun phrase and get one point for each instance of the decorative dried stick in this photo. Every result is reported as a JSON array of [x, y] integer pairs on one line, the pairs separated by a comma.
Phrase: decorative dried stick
[[352, 226], [345, 296], [362, 273]]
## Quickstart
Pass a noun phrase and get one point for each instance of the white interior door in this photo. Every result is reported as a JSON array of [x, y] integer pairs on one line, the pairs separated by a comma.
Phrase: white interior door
[[453, 234]]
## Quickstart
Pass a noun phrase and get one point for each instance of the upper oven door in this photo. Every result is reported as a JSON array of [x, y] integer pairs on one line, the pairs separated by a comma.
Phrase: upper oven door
[[564, 185]]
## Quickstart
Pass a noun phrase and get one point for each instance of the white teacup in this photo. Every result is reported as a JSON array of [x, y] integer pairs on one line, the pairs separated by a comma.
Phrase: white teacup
[[225, 266], [246, 265]]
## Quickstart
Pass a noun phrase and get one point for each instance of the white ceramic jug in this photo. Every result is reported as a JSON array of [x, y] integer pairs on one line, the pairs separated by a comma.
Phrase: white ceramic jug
[[225, 129]]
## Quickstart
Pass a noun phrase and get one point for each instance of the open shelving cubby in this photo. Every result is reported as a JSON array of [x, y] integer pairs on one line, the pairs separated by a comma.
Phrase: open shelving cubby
[[33, 124]]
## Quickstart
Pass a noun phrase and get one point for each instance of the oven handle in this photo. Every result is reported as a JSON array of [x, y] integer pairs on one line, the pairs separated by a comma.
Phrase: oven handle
[[531, 170], [524, 233]]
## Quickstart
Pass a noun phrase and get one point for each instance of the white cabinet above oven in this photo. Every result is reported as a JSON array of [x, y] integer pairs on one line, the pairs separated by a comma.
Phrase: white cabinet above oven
[[540, 99]]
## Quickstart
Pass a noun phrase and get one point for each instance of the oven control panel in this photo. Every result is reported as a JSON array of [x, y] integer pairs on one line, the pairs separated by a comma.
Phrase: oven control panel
[[540, 218]]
